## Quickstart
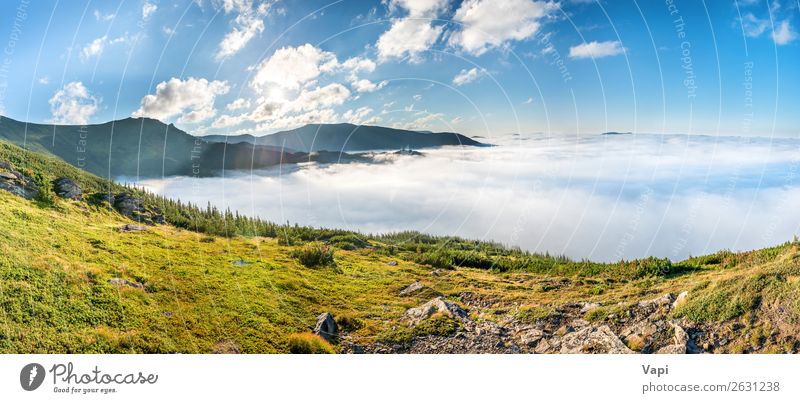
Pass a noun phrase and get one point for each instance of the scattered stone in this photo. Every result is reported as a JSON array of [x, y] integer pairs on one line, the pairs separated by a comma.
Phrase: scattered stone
[[241, 263], [128, 205], [595, 340], [67, 188], [132, 228], [588, 306], [326, 327], [680, 299], [437, 305], [392, 263], [437, 272], [123, 282], [227, 347], [411, 289], [531, 337]]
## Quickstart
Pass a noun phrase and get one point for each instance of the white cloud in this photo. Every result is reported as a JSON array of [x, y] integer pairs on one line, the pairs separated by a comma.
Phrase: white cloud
[[596, 50], [407, 37], [329, 95], [239, 103], [784, 34], [490, 23], [316, 116], [247, 28], [44, 80], [467, 76], [367, 86], [248, 23], [103, 17], [192, 98], [528, 101], [73, 104], [360, 116], [419, 8], [291, 68], [148, 9], [753, 26], [96, 47]]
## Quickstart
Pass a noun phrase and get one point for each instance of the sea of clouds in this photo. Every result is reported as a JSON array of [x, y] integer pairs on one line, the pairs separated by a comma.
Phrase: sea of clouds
[[600, 197]]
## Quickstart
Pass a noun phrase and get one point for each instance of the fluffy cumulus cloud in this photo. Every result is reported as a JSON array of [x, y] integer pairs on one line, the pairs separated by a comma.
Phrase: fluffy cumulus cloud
[[291, 67], [784, 34], [407, 38], [360, 116], [596, 50], [412, 34], [365, 85], [488, 23], [238, 103], [329, 95], [192, 99], [467, 76], [248, 23], [73, 104]]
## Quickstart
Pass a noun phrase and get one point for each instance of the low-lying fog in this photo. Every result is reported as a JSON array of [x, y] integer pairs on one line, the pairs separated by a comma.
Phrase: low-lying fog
[[596, 197]]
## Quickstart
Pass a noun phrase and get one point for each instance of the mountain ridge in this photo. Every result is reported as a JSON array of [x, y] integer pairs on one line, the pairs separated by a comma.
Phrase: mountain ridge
[[147, 148]]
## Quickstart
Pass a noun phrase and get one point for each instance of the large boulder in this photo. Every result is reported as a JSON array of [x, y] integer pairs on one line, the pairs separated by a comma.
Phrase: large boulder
[[437, 305], [326, 327], [17, 183], [134, 208], [595, 340], [67, 188], [413, 288]]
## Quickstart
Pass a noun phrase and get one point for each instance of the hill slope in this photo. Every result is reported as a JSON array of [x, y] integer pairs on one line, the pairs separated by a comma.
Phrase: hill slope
[[147, 148], [349, 137], [73, 279]]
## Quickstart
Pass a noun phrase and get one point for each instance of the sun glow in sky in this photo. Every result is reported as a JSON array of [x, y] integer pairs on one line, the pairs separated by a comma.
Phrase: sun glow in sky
[[480, 67]]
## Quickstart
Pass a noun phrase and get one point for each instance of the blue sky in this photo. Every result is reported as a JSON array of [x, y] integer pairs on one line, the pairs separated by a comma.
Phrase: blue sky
[[480, 67]]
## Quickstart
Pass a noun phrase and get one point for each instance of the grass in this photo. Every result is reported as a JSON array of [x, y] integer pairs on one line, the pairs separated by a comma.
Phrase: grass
[[57, 260], [308, 343]]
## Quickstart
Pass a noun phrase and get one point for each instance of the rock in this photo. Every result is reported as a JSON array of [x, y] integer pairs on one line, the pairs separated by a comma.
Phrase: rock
[[437, 305], [67, 188], [411, 289], [666, 299], [593, 340], [392, 263], [531, 337], [128, 205], [227, 347], [680, 343], [132, 228], [326, 327], [680, 299], [133, 208], [17, 183], [123, 282], [437, 272], [588, 306]]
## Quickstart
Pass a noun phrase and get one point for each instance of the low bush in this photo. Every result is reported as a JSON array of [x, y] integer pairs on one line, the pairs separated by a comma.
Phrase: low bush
[[314, 254], [308, 343]]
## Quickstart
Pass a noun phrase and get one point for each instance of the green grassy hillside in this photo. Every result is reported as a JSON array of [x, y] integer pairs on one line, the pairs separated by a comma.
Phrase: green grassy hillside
[[72, 281]]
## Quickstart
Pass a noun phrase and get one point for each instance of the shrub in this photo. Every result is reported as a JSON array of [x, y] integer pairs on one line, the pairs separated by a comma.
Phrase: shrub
[[349, 323], [348, 242], [314, 254], [308, 343]]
